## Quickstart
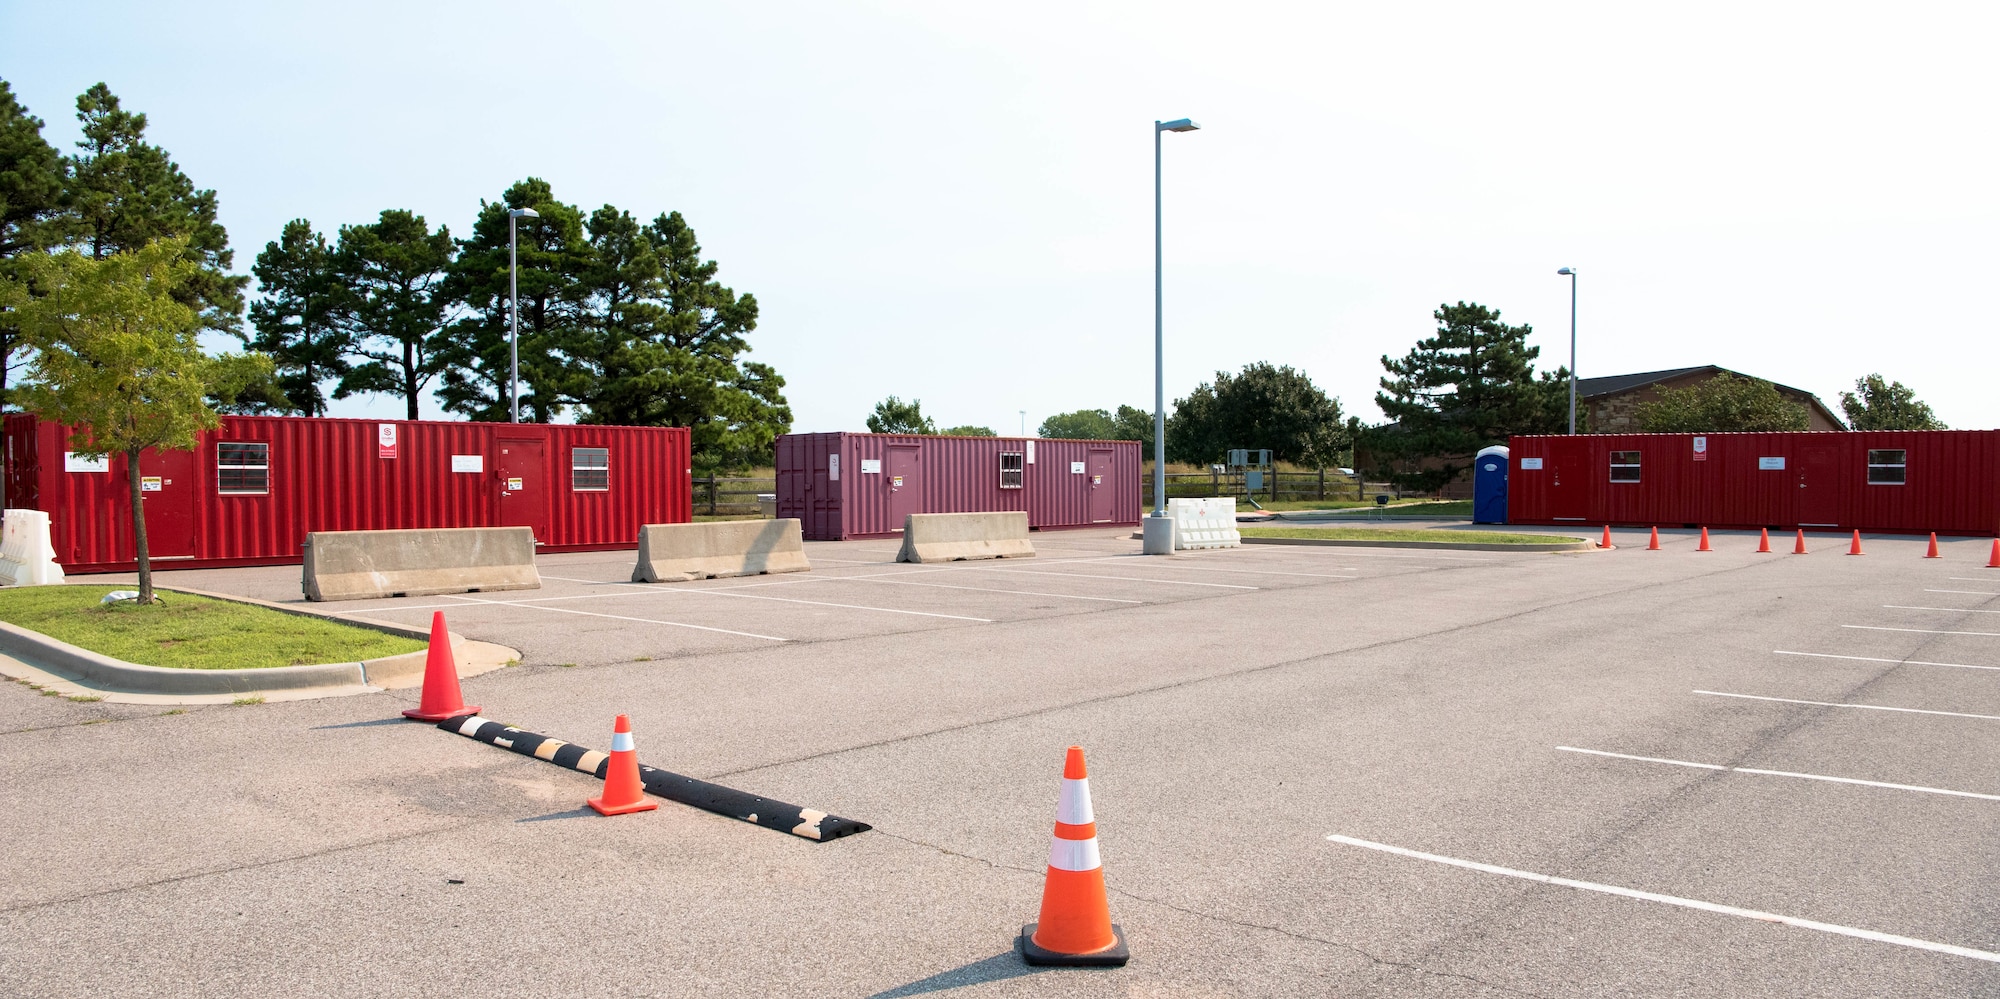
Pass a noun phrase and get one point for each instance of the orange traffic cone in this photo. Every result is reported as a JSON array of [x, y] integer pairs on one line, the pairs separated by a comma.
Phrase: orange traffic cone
[[623, 791], [1855, 548], [1075, 928], [1704, 542], [1994, 561], [1799, 548], [1933, 553], [1606, 543], [1654, 545], [441, 698], [1763, 541]]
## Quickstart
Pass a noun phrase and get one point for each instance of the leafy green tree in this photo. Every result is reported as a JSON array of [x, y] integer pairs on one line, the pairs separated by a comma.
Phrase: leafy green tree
[[391, 310], [1131, 423], [555, 258], [894, 416], [1081, 425], [1722, 404], [117, 357], [1260, 407], [246, 383], [1471, 385], [124, 193], [297, 315], [1878, 405], [968, 430], [31, 186]]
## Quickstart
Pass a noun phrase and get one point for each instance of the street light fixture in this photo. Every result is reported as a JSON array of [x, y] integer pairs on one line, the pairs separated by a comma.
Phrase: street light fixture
[[1570, 272], [514, 316], [1159, 530]]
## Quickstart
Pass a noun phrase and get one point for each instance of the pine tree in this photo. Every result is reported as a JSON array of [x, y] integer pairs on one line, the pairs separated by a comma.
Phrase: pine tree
[[31, 185], [297, 316], [1471, 385], [394, 312]]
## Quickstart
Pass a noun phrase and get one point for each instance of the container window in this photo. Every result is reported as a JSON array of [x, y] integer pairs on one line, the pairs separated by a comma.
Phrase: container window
[[590, 469], [1887, 467], [1011, 464], [1624, 466], [243, 467]]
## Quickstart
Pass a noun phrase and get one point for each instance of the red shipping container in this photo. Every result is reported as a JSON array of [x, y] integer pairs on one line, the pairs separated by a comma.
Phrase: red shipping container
[[1913, 481], [253, 488], [842, 485]]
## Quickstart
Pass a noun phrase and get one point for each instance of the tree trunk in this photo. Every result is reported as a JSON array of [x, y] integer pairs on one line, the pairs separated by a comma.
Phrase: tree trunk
[[410, 389], [139, 527]]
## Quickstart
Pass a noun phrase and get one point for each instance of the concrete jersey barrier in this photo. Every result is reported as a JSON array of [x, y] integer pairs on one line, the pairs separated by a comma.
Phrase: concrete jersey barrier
[[950, 537], [1204, 523], [357, 565], [27, 558], [675, 553]]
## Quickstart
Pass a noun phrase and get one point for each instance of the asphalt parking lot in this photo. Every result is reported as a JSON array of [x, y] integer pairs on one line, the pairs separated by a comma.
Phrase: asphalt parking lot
[[1317, 771]]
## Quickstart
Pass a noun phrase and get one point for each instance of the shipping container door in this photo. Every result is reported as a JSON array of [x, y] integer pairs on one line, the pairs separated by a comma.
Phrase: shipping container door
[[1103, 491], [1571, 479], [168, 485], [523, 500], [901, 475], [1819, 487]]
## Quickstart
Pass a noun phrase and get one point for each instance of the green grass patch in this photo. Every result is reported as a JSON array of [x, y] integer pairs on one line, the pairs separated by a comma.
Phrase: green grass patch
[[191, 632], [1406, 534]]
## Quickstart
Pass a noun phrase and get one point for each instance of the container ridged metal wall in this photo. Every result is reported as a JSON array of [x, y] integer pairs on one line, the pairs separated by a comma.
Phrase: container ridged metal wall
[[1951, 481], [330, 475], [950, 475]]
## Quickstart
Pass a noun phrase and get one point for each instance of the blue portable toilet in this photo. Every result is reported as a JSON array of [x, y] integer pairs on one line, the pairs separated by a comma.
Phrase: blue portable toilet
[[1489, 486]]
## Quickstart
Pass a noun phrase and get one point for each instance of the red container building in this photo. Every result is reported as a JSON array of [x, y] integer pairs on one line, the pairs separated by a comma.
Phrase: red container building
[[1918, 481], [254, 487], [842, 486]]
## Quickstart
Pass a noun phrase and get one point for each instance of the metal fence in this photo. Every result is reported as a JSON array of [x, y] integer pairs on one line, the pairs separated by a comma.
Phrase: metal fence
[[1277, 486], [723, 496]]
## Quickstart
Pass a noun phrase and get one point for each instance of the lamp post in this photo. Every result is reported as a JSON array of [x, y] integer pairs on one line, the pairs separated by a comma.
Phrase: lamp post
[[1570, 272], [514, 315], [1159, 530], [1024, 423]]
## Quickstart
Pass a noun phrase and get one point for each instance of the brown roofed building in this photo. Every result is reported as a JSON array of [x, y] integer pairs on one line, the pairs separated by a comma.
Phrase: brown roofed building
[[1610, 405]]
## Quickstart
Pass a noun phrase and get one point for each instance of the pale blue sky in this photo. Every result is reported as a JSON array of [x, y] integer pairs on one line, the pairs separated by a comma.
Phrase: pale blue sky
[[953, 202]]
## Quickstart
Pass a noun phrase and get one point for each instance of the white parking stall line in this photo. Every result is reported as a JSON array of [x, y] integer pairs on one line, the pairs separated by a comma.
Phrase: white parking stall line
[[633, 589], [1973, 579], [1121, 579], [1863, 707], [1678, 901], [979, 589], [1177, 564], [1877, 659], [620, 617], [1922, 631], [1347, 551], [1955, 610], [1976, 593], [1785, 773]]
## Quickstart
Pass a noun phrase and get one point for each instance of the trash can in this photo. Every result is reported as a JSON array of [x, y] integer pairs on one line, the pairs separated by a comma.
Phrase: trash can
[[1489, 486]]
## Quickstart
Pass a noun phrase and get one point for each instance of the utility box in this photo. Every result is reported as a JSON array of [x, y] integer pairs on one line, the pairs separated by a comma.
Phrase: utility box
[[1489, 486]]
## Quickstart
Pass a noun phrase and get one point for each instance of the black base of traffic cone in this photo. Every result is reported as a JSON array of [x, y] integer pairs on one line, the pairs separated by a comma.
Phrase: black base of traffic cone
[[1113, 956]]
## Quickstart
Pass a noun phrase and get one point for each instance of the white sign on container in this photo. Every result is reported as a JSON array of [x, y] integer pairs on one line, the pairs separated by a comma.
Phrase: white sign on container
[[1530, 463], [1771, 464], [1076, 468], [871, 466], [73, 462], [385, 439], [468, 463], [833, 468], [1031, 452]]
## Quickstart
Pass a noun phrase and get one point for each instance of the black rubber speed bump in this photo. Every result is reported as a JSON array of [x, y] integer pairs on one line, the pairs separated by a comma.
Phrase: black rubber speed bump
[[806, 823]]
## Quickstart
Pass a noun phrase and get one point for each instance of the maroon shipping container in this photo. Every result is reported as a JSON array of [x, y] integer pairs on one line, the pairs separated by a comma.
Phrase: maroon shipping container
[[1914, 481], [842, 485], [254, 487]]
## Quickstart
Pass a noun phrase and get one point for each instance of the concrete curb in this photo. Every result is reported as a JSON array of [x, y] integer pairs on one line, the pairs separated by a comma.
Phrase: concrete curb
[[100, 673], [1580, 546]]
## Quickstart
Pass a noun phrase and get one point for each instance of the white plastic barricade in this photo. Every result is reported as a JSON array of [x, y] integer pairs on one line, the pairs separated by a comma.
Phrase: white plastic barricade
[[27, 558], [1204, 523]]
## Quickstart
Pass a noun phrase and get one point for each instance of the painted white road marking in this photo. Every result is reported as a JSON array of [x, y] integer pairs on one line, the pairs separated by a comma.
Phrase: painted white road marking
[[1835, 704], [1178, 564], [1972, 579], [619, 617], [663, 589], [1955, 610], [1675, 900], [1922, 631], [1121, 579], [1877, 659], [1977, 593], [979, 589], [1785, 773]]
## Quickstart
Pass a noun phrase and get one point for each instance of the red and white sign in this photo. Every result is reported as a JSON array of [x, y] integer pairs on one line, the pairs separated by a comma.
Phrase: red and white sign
[[1701, 449], [385, 439]]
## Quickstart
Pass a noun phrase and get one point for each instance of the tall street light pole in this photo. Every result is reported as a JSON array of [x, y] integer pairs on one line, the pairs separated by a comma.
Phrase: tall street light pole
[[1570, 272], [514, 315], [1159, 530]]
